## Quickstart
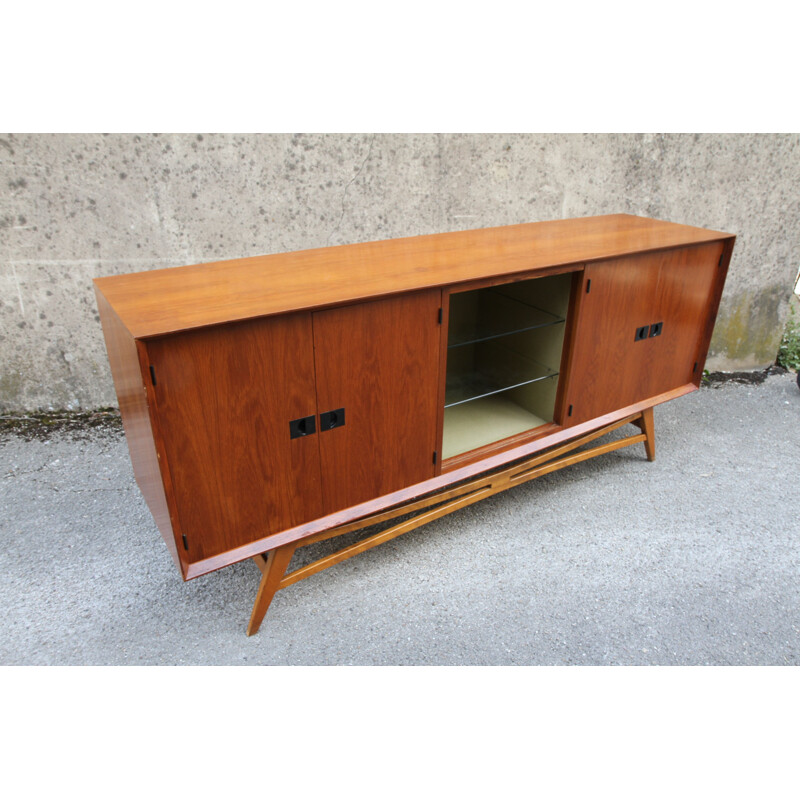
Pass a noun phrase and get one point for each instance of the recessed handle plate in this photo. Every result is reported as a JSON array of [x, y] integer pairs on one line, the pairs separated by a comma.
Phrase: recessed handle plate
[[304, 426], [331, 419]]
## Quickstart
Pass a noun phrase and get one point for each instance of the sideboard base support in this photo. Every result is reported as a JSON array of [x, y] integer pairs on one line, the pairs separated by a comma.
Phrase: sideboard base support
[[273, 564], [645, 424]]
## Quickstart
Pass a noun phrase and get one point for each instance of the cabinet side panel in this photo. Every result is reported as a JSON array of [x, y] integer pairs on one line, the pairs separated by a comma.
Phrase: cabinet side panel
[[380, 362], [123, 359]]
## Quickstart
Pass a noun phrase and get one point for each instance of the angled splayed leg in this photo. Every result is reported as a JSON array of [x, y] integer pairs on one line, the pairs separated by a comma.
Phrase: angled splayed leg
[[273, 566], [648, 429]]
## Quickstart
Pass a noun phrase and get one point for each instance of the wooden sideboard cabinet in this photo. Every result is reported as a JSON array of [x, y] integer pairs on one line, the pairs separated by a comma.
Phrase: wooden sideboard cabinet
[[276, 401]]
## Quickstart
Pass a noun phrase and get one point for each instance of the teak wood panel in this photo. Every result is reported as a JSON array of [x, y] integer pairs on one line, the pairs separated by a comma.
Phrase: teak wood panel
[[123, 358], [161, 301], [683, 300], [225, 396], [445, 479], [379, 361], [609, 369]]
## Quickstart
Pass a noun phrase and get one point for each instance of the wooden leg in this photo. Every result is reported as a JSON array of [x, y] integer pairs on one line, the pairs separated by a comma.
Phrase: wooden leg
[[274, 565], [648, 429], [273, 568]]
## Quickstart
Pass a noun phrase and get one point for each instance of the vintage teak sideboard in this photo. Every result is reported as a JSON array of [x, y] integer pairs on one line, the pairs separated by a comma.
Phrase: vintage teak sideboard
[[276, 401]]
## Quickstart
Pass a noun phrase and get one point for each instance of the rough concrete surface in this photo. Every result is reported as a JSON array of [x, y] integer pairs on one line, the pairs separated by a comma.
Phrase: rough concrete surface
[[692, 559], [77, 206]]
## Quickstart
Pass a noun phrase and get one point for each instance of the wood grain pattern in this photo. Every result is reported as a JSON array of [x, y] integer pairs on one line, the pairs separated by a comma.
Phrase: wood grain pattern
[[272, 569], [686, 285], [704, 339], [647, 426], [433, 507], [123, 358], [168, 300], [225, 397], [609, 368], [229, 477], [379, 504], [362, 546], [380, 362], [568, 349]]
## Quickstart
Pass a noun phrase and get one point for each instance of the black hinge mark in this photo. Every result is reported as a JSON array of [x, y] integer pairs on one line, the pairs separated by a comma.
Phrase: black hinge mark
[[441, 316], [694, 368], [185, 541], [588, 286], [153, 374], [719, 263], [434, 456], [569, 411]]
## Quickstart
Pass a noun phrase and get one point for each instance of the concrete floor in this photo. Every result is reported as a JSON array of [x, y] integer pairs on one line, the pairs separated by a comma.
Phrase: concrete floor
[[693, 559]]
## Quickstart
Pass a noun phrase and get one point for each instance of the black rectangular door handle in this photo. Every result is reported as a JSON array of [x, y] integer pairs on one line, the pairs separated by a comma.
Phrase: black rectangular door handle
[[304, 426], [331, 419]]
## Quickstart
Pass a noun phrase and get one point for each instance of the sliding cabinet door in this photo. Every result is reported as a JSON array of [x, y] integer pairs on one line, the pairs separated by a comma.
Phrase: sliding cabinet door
[[226, 397], [609, 367], [377, 382], [641, 322]]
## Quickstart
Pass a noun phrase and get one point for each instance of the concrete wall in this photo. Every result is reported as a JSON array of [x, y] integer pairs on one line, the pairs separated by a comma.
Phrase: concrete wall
[[76, 206]]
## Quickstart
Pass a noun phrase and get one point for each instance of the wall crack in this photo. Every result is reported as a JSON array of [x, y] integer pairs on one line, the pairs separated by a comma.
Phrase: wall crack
[[349, 184]]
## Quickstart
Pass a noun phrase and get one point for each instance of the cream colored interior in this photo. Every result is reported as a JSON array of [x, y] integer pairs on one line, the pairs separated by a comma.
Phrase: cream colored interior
[[507, 356]]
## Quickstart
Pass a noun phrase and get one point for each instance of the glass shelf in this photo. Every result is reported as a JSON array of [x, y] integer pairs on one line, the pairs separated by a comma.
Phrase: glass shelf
[[494, 377], [500, 316]]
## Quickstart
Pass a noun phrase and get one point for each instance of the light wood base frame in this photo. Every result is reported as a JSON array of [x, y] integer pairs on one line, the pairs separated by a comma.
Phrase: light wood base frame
[[273, 564]]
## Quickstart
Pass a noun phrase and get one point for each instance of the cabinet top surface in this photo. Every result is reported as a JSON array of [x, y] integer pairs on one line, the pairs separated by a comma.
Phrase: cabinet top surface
[[163, 301]]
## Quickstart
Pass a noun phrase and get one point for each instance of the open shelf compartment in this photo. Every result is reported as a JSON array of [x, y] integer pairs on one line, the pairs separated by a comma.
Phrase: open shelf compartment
[[503, 360]]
